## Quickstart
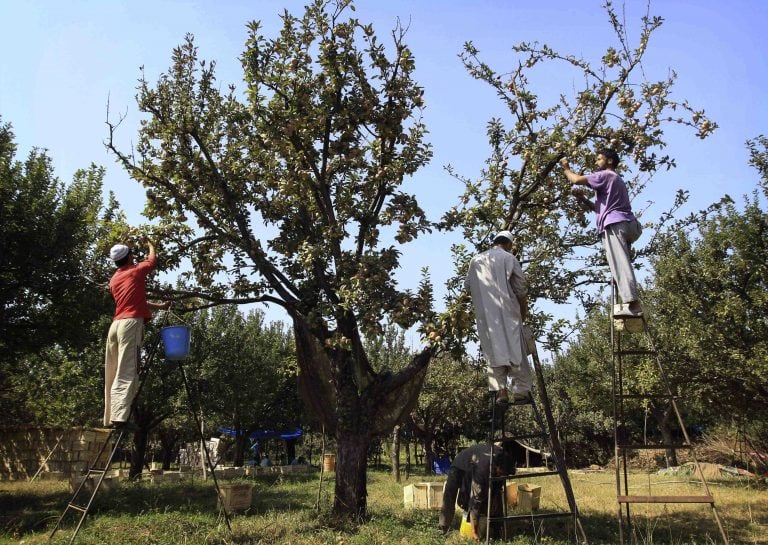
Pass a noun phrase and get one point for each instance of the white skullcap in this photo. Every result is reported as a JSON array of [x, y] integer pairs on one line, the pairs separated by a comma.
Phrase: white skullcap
[[118, 252], [506, 234]]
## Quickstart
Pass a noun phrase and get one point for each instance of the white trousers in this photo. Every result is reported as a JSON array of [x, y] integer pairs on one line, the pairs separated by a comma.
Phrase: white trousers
[[617, 241], [518, 376], [121, 363]]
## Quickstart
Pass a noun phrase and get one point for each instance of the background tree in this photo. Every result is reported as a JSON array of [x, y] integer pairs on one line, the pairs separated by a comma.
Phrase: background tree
[[249, 371], [710, 292], [317, 152], [579, 386], [453, 405], [706, 303], [388, 351], [60, 386], [48, 242], [161, 397], [605, 103]]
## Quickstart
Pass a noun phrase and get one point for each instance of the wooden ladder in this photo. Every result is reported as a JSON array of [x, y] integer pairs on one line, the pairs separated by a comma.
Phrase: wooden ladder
[[622, 327], [546, 433], [82, 499]]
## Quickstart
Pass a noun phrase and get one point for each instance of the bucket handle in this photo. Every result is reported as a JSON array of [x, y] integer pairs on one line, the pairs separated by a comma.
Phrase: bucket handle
[[176, 317]]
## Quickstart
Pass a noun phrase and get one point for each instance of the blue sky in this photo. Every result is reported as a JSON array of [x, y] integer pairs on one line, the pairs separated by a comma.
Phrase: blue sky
[[62, 60]]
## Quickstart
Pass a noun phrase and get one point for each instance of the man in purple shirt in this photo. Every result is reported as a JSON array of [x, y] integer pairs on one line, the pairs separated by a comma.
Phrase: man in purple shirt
[[617, 226]]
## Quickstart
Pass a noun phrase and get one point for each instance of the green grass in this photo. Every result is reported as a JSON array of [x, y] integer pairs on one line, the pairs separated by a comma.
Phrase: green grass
[[283, 512]]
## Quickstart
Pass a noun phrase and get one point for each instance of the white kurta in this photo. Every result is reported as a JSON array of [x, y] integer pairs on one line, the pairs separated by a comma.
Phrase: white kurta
[[495, 280]]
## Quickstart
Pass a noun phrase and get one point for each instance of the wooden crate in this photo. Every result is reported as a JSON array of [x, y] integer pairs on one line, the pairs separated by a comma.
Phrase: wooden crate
[[235, 496], [528, 497], [172, 476], [511, 494], [109, 484], [423, 495]]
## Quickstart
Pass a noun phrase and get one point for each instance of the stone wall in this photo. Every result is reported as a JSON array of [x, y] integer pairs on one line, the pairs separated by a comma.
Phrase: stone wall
[[24, 448]]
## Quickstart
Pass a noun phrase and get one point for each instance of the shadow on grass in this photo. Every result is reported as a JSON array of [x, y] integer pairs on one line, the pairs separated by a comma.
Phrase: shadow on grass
[[35, 509], [670, 527], [32, 509]]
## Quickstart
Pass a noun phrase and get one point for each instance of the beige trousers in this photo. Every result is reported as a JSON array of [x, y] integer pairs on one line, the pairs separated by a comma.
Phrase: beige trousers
[[121, 365]]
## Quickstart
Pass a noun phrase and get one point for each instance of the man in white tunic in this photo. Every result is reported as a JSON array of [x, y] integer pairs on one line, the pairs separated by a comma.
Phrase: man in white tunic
[[500, 299]]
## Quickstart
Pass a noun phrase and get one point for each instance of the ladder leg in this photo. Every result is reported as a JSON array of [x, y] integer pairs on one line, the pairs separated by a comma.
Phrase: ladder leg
[[205, 446], [40, 469], [555, 446], [97, 485], [621, 437], [620, 460], [495, 416], [84, 510], [678, 414]]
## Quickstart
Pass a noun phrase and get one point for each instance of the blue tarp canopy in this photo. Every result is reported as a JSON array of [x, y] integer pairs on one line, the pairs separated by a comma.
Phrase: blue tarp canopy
[[266, 434]]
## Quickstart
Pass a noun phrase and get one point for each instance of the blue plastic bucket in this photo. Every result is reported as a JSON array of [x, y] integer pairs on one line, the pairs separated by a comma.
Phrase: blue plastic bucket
[[176, 340]]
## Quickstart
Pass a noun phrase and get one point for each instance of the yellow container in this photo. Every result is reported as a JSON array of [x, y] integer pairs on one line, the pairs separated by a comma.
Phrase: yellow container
[[465, 530]]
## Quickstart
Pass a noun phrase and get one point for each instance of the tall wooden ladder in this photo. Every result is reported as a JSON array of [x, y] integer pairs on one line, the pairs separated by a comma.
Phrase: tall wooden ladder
[[85, 493], [548, 435], [623, 348]]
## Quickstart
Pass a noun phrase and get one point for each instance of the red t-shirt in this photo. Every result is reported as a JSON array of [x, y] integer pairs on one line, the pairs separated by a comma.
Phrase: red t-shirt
[[129, 289]]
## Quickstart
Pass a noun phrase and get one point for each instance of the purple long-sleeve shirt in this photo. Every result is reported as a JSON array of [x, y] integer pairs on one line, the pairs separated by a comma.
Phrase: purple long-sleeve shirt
[[611, 199]]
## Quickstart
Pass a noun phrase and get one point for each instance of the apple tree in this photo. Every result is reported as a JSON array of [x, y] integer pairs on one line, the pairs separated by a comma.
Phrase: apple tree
[[289, 193], [609, 102]]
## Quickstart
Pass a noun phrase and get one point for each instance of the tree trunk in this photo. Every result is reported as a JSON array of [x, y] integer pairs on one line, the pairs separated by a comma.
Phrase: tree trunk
[[662, 416], [429, 453], [168, 446], [340, 387], [351, 494], [395, 453], [138, 453], [290, 450], [407, 459], [241, 443], [166, 457]]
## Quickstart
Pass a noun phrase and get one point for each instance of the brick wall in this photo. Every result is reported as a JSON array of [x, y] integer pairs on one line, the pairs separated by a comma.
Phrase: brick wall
[[24, 448]]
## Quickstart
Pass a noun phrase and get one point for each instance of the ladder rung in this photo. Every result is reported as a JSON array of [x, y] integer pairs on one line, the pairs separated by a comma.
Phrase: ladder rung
[[525, 475], [76, 507], [647, 446], [526, 436], [646, 396], [530, 516], [535, 474], [96, 470], [635, 352], [665, 499]]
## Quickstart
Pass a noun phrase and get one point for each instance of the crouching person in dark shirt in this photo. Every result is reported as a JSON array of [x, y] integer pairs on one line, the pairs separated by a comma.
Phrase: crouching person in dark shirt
[[468, 481]]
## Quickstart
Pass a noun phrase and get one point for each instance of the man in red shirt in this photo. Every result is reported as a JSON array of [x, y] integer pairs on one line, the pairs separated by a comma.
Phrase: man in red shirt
[[128, 287]]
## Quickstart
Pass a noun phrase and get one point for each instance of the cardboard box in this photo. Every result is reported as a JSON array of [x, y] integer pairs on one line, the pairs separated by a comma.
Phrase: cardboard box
[[423, 495]]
